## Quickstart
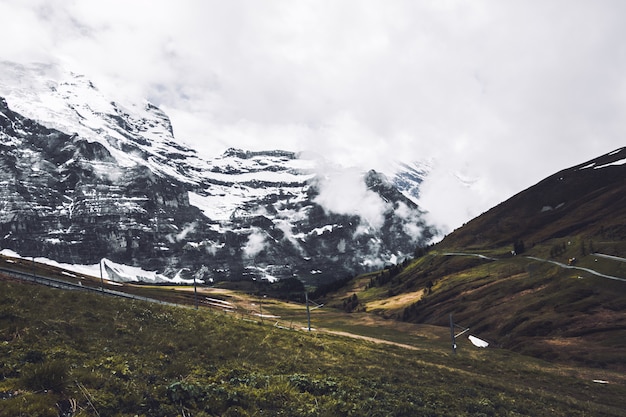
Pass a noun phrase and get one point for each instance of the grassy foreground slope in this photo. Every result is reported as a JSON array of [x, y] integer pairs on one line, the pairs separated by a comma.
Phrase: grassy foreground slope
[[111, 357]]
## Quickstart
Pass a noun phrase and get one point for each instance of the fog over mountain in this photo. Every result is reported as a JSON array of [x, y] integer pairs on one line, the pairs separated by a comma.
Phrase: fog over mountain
[[84, 177], [497, 94]]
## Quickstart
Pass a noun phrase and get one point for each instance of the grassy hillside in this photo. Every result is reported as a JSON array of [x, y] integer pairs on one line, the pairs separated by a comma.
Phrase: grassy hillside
[[113, 357], [381, 343], [533, 307], [579, 201], [545, 300]]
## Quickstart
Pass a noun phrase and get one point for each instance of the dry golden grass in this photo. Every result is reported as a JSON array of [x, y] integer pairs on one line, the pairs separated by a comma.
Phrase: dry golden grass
[[396, 302]]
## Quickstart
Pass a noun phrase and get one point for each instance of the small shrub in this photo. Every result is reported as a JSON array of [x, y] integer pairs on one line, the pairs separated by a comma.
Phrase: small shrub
[[236, 411], [31, 405], [184, 392], [51, 376], [34, 356], [276, 395], [315, 386]]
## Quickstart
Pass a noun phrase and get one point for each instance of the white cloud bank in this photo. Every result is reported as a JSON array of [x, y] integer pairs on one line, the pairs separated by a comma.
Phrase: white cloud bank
[[502, 92], [255, 244], [344, 192]]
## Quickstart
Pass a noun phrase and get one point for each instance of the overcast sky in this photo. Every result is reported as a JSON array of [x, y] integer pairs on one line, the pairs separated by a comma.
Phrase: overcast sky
[[497, 93]]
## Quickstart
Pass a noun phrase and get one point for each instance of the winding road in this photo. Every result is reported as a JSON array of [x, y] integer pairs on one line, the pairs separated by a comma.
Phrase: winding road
[[591, 271], [611, 257], [562, 265]]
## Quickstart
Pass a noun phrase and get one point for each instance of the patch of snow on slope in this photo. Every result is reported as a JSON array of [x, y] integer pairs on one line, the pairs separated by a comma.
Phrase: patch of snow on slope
[[207, 205], [620, 162], [264, 272], [112, 271], [478, 342], [59, 100], [124, 273], [70, 103]]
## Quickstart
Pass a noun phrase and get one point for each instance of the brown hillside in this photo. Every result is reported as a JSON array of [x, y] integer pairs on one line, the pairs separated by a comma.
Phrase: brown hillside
[[584, 199], [539, 301]]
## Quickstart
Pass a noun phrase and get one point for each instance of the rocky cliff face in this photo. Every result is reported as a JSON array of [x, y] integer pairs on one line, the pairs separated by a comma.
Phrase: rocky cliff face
[[83, 178], [68, 198]]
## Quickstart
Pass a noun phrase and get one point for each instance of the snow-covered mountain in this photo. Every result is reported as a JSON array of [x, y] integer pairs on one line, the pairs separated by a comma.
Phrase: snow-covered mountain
[[84, 178]]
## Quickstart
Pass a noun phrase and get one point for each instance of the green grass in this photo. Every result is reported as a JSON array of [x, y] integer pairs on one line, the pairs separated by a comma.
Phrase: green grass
[[533, 307], [127, 358]]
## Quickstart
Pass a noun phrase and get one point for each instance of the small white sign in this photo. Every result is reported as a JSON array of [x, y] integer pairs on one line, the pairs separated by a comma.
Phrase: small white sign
[[478, 342]]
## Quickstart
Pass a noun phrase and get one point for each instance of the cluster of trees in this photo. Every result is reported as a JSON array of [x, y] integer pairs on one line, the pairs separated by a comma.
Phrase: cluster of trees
[[351, 303], [390, 272], [385, 276], [559, 249], [584, 249], [324, 289], [409, 313], [519, 247], [287, 289], [421, 251]]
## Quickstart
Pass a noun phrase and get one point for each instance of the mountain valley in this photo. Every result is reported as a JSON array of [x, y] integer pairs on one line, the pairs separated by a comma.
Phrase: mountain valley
[[246, 282], [543, 273]]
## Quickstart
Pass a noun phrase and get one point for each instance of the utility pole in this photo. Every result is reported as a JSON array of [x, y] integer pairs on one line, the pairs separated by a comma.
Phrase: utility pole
[[452, 335], [34, 271], [195, 291], [101, 278], [308, 311]]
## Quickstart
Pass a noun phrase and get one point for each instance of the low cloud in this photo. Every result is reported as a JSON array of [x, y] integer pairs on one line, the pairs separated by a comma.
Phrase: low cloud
[[212, 247], [182, 235], [186, 230], [284, 225], [255, 244], [448, 184], [345, 192], [411, 220], [504, 92]]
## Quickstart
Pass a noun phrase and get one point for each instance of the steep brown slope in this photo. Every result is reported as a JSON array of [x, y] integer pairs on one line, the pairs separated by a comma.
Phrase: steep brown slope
[[588, 199], [534, 302]]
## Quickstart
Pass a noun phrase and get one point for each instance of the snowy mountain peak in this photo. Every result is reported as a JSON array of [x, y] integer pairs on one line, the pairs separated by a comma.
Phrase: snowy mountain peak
[[83, 178], [62, 100]]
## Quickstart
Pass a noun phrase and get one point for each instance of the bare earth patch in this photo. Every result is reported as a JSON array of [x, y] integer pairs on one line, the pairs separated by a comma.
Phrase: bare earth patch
[[397, 302]]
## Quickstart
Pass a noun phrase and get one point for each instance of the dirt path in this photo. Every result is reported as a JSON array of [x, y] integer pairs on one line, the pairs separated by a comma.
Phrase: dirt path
[[370, 339]]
